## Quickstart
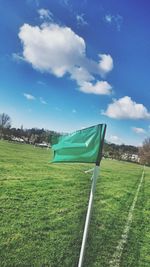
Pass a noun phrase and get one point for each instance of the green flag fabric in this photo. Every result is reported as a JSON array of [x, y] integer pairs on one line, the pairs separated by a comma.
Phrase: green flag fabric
[[80, 146]]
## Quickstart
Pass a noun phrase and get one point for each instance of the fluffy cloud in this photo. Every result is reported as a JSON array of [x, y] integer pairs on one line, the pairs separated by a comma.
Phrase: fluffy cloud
[[106, 63], [29, 97], [51, 48], [99, 88], [58, 50], [81, 74], [126, 108], [138, 130]]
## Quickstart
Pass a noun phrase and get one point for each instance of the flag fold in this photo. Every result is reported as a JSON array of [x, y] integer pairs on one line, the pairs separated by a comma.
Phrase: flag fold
[[81, 146]]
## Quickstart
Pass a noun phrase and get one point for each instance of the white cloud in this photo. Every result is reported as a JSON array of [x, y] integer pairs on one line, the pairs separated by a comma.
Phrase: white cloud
[[99, 88], [115, 20], [114, 139], [58, 50], [51, 48], [29, 97], [43, 101], [106, 63], [138, 130], [126, 108], [80, 20], [45, 14], [80, 74]]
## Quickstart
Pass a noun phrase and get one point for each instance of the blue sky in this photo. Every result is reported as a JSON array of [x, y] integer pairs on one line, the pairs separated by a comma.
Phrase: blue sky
[[66, 64]]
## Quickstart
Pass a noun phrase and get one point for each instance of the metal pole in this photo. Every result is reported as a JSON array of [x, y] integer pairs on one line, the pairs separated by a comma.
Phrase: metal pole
[[93, 186]]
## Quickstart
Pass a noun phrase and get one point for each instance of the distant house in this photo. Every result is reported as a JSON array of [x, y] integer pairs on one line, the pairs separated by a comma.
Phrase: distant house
[[135, 158], [17, 139], [130, 157], [42, 145], [125, 156]]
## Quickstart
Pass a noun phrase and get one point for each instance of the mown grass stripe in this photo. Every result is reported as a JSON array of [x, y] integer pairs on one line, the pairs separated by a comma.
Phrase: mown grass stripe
[[115, 262]]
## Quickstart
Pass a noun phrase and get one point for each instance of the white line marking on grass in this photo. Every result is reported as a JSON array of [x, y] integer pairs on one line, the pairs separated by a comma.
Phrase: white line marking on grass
[[115, 262]]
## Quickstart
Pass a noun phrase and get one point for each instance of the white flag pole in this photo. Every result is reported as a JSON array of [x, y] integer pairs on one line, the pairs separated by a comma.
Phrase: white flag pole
[[93, 187]]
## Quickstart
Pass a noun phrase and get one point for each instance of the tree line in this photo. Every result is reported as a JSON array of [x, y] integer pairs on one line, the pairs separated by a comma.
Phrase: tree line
[[35, 135], [115, 151], [31, 136]]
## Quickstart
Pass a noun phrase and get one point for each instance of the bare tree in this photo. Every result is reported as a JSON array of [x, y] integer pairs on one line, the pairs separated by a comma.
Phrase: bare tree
[[5, 123], [144, 152]]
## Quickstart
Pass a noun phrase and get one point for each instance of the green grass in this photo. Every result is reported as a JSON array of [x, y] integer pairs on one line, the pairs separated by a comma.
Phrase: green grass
[[43, 208]]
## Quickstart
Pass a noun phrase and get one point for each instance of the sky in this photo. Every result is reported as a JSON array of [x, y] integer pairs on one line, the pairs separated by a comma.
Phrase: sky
[[70, 64]]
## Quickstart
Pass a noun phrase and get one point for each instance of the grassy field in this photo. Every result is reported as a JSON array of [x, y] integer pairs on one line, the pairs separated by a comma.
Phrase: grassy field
[[43, 208]]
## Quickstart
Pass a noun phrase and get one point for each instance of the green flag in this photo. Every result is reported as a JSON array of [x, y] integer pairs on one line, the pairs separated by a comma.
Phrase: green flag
[[80, 146]]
